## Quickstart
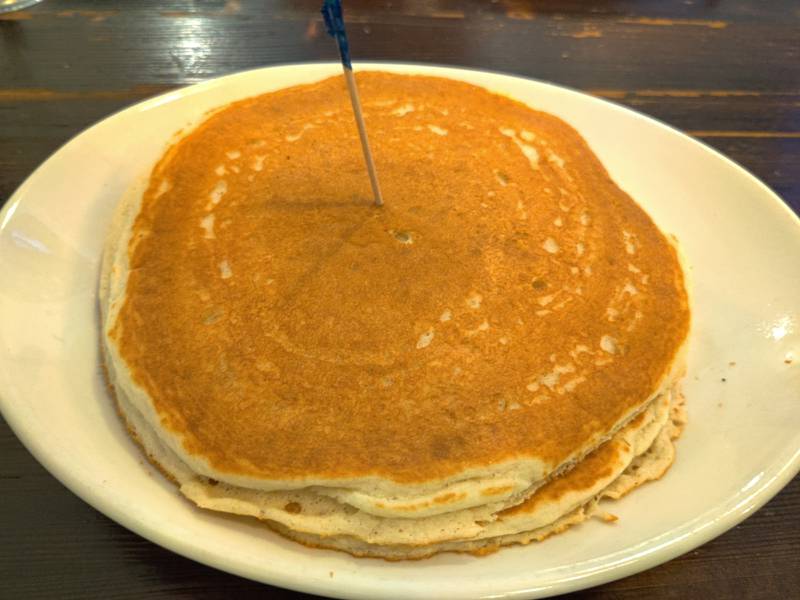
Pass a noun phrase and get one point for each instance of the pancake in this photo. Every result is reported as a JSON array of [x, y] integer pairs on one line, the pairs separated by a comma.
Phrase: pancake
[[339, 526], [275, 340]]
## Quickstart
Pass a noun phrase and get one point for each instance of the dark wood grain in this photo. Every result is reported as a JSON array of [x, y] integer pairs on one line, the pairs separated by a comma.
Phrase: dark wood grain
[[727, 72]]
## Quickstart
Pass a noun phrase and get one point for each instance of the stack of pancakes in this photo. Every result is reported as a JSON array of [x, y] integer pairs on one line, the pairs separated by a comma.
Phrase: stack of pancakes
[[474, 364]]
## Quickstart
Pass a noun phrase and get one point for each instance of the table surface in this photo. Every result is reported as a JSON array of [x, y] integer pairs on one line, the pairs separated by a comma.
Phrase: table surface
[[727, 72]]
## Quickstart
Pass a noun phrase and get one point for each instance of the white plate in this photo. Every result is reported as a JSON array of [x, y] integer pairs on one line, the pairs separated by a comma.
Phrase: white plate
[[741, 446]]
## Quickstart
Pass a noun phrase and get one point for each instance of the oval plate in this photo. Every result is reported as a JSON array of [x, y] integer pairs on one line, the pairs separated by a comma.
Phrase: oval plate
[[742, 444]]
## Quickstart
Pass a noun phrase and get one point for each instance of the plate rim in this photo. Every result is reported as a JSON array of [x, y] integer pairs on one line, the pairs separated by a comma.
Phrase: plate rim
[[728, 513]]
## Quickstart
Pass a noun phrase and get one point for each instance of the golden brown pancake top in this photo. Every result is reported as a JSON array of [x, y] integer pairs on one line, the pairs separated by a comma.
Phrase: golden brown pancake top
[[508, 301]]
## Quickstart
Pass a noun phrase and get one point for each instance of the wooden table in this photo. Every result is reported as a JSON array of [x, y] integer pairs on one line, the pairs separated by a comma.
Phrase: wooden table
[[727, 72]]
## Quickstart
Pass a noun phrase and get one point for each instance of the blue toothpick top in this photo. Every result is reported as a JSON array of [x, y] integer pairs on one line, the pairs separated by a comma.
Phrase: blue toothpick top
[[334, 23]]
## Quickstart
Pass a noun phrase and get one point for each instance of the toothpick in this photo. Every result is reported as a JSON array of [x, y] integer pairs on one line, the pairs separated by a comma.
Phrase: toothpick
[[334, 22], [362, 133]]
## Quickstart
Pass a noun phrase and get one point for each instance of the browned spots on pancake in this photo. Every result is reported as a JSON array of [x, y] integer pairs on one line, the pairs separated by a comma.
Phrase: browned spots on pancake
[[314, 283], [449, 498], [293, 508], [637, 420], [497, 490], [411, 507], [485, 551]]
